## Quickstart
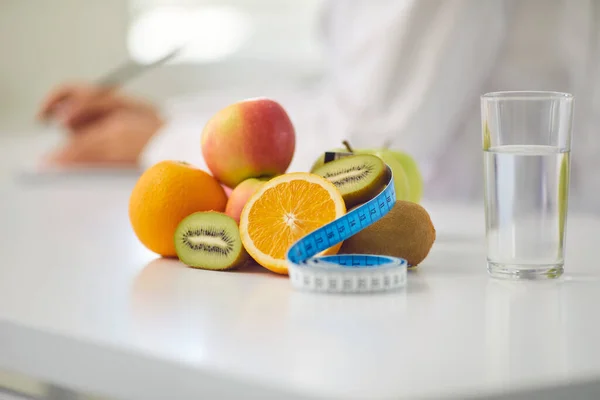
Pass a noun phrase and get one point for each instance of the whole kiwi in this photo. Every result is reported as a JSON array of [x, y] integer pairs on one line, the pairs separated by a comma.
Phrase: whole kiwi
[[406, 231]]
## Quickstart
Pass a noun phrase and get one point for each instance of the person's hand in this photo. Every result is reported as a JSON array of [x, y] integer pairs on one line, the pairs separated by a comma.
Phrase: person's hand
[[104, 126]]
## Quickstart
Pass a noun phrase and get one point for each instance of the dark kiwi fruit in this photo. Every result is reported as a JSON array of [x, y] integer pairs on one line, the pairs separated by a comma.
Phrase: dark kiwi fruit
[[358, 177], [406, 231], [209, 240]]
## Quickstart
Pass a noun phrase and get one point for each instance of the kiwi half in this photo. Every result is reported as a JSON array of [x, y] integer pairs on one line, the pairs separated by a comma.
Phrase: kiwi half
[[209, 240], [406, 231], [358, 177]]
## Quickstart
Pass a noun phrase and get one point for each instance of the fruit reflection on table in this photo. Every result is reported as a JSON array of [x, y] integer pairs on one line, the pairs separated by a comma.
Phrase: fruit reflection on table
[[248, 205]]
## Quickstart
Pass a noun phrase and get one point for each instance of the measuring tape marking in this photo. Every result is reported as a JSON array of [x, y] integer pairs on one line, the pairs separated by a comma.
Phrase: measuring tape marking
[[347, 272]]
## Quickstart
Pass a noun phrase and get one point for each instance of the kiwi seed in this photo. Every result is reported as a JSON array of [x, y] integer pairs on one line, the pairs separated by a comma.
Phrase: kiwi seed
[[209, 240], [358, 177], [406, 231]]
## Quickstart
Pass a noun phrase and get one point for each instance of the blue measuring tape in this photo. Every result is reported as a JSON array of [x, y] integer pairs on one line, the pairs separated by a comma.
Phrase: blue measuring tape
[[347, 273]]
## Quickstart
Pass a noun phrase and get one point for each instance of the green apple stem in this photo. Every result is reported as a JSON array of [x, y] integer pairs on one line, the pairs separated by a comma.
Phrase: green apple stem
[[348, 147], [387, 143]]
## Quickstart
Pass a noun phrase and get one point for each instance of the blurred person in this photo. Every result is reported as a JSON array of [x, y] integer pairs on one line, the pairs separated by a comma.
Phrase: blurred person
[[104, 126], [409, 73]]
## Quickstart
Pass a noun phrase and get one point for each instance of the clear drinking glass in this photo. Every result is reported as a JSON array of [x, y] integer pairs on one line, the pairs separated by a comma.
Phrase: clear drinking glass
[[526, 148]]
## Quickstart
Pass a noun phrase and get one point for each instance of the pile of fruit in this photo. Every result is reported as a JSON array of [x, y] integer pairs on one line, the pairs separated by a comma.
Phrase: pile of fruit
[[247, 206]]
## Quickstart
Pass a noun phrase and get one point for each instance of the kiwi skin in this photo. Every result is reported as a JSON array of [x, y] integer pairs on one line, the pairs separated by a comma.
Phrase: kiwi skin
[[406, 231], [203, 260], [362, 191]]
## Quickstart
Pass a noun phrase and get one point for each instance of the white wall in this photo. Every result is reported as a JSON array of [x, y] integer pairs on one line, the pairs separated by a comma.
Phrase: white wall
[[49, 41]]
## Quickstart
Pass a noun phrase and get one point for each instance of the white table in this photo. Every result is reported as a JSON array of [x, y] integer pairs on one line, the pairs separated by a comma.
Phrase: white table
[[85, 306]]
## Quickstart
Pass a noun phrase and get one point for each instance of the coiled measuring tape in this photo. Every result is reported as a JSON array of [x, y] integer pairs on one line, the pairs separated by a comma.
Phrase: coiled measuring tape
[[347, 273]]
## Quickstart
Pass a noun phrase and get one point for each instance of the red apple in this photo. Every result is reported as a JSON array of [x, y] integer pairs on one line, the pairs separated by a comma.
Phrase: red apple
[[240, 196], [248, 139]]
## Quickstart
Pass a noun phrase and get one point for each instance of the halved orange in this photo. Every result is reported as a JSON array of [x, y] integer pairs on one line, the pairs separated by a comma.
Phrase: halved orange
[[282, 211]]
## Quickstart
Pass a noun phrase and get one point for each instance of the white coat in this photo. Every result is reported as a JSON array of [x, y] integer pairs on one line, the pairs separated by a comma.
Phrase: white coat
[[412, 71]]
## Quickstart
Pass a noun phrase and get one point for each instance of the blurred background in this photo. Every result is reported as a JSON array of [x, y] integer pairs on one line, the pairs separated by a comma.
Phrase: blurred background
[[233, 45], [404, 73]]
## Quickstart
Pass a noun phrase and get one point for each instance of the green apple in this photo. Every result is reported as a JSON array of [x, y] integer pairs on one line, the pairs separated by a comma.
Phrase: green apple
[[415, 179], [410, 167], [401, 179], [401, 182], [321, 160]]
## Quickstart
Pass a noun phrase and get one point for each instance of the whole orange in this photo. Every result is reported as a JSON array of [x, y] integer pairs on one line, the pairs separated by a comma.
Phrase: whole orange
[[165, 194]]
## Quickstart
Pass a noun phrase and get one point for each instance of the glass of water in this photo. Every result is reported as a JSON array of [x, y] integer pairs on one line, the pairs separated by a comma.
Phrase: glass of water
[[526, 148]]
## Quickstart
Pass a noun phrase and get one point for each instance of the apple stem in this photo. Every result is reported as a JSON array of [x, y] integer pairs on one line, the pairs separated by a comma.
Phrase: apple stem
[[387, 143], [348, 147]]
